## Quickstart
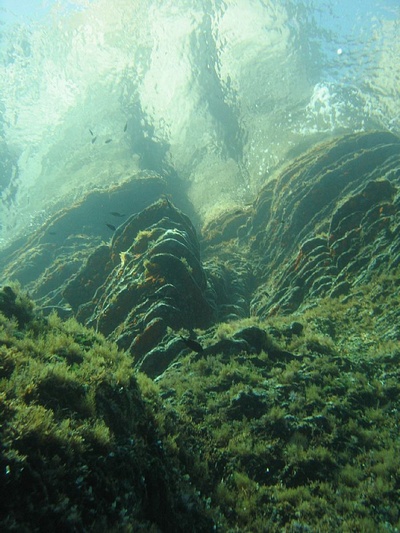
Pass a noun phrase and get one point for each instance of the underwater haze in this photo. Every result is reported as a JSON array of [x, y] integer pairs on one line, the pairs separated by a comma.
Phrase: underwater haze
[[215, 95]]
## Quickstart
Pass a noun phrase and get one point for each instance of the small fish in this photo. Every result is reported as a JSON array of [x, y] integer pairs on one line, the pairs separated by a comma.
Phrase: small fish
[[116, 214], [113, 228], [91, 133], [125, 127], [193, 345], [107, 141], [94, 139]]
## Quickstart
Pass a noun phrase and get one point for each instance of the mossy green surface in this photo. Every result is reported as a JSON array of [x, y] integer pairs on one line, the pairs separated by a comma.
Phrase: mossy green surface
[[249, 442], [79, 448], [307, 444]]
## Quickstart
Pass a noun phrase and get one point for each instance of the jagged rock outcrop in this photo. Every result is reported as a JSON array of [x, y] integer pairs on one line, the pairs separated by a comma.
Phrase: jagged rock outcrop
[[148, 279], [334, 212], [304, 407], [324, 224], [44, 260]]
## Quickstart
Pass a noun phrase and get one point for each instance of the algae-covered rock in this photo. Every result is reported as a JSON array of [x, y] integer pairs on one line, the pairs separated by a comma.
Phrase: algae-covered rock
[[272, 343], [328, 214], [15, 305], [53, 253], [148, 279], [302, 436], [320, 221], [79, 449]]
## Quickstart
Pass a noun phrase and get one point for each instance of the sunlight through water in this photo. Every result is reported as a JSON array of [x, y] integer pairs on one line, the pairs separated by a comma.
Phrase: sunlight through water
[[213, 94]]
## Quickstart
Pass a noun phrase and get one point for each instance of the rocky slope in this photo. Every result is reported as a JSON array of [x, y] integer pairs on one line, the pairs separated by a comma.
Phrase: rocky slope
[[272, 341]]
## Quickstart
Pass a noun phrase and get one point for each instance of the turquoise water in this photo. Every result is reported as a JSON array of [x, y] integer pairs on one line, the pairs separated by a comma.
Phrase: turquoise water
[[214, 94]]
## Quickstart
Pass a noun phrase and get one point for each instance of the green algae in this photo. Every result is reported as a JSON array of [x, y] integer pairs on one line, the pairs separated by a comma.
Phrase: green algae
[[219, 442], [79, 448], [307, 444]]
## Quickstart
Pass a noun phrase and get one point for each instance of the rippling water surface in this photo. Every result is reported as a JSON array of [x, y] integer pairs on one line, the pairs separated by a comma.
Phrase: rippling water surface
[[215, 95]]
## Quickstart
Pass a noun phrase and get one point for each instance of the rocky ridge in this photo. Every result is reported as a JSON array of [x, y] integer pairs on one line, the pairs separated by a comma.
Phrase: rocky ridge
[[326, 223], [272, 342]]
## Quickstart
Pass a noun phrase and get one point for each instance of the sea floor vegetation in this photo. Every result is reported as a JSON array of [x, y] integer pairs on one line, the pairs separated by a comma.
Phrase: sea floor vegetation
[[79, 449], [308, 441], [299, 435]]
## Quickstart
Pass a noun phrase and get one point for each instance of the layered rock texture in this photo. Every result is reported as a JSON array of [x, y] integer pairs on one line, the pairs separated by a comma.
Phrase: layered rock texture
[[323, 225], [149, 278], [327, 222], [56, 251], [271, 338]]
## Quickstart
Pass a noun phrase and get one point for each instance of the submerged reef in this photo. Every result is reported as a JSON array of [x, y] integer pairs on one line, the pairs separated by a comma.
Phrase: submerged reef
[[300, 436], [244, 377], [80, 449], [326, 223], [147, 279]]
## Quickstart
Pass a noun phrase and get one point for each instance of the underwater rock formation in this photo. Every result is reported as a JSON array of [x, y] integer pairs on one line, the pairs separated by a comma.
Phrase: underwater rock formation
[[44, 260], [275, 356], [147, 280], [79, 449], [321, 226], [331, 217]]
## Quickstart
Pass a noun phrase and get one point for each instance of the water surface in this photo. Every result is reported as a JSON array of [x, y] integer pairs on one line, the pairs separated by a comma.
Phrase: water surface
[[215, 95]]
